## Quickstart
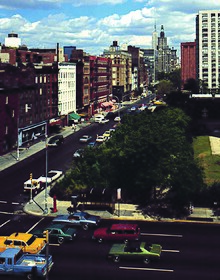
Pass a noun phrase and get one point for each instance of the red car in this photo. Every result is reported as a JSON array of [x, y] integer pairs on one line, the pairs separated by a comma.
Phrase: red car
[[116, 232]]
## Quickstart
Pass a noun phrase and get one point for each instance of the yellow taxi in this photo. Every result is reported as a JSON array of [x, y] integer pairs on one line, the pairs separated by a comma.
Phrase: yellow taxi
[[26, 241]]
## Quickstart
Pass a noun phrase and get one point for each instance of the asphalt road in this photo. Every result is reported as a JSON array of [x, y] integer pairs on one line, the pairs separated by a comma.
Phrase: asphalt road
[[12, 198], [190, 251]]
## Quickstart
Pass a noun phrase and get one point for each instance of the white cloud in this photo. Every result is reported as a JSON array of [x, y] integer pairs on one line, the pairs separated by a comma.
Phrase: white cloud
[[95, 34]]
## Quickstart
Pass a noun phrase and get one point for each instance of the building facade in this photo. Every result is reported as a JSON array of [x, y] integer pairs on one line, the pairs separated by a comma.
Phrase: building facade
[[121, 70], [66, 89], [208, 50], [188, 62]]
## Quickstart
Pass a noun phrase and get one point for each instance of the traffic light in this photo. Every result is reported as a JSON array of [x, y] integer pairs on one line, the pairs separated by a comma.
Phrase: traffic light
[[31, 176], [46, 235]]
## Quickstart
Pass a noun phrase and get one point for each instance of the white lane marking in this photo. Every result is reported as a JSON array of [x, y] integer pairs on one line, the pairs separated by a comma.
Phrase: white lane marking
[[16, 203], [54, 244], [162, 234], [171, 251], [8, 213], [5, 223], [35, 225], [1, 201], [149, 269]]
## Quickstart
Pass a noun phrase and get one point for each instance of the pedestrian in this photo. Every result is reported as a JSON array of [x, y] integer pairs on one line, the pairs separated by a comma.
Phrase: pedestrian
[[28, 146]]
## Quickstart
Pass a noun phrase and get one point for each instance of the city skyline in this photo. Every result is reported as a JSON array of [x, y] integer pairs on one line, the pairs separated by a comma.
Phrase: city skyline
[[93, 26]]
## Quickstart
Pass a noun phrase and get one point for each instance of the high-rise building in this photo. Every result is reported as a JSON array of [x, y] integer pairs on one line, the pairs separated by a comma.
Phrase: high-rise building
[[208, 50], [188, 61], [163, 53]]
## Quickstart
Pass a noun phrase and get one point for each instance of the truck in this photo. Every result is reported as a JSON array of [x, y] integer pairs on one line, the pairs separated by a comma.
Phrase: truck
[[14, 262]]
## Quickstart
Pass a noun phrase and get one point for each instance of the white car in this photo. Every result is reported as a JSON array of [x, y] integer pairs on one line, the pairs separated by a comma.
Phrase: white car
[[85, 138], [117, 119], [98, 118], [103, 121], [52, 176], [101, 139]]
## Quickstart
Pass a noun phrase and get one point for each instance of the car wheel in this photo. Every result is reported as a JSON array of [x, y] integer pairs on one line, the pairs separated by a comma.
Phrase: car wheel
[[85, 227], [146, 260], [116, 259], [100, 240], [60, 240]]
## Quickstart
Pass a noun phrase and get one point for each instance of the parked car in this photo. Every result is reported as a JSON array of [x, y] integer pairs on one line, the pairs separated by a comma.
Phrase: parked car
[[78, 153], [82, 219], [101, 139], [85, 138], [52, 176], [135, 251], [120, 232], [26, 241], [57, 233], [103, 121], [55, 141]]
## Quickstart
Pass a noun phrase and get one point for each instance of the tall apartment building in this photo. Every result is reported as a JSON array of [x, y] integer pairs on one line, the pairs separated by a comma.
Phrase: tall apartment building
[[121, 70], [188, 61], [208, 50], [149, 56], [139, 71]]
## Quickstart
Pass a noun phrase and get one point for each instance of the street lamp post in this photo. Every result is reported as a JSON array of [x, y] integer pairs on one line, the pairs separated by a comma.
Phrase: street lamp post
[[46, 194]]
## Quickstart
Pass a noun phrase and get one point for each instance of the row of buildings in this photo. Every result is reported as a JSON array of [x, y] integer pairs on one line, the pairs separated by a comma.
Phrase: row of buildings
[[42, 90], [200, 59]]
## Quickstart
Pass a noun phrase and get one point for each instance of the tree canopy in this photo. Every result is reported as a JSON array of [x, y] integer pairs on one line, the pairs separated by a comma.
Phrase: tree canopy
[[149, 157]]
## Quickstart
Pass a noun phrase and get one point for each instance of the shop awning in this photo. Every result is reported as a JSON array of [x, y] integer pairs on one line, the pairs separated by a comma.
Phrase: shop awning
[[106, 104], [54, 122], [73, 116]]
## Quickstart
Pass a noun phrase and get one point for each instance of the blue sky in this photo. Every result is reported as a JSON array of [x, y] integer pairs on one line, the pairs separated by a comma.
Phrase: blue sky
[[94, 25]]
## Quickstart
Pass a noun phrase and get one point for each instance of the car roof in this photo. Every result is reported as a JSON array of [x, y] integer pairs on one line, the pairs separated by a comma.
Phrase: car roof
[[20, 236], [57, 226], [123, 226]]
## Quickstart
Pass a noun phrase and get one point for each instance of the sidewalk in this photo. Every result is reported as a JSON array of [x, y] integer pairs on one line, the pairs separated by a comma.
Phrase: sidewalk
[[10, 159], [122, 211]]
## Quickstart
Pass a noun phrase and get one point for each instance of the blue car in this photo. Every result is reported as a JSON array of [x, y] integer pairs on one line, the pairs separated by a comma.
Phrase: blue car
[[83, 219]]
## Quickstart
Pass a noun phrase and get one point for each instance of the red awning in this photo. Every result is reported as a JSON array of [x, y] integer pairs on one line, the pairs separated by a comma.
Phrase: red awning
[[54, 122], [106, 104]]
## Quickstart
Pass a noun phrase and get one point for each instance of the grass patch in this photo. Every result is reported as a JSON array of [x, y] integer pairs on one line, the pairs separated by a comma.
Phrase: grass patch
[[210, 163]]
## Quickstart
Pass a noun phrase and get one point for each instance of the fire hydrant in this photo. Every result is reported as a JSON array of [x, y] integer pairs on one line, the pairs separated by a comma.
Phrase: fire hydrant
[[55, 204]]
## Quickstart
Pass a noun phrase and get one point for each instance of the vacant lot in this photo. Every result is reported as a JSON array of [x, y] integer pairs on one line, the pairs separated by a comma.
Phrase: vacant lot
[[210, 163]]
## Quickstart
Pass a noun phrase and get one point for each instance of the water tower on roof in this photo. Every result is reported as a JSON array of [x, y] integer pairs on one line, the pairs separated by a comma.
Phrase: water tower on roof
[[12, 40]]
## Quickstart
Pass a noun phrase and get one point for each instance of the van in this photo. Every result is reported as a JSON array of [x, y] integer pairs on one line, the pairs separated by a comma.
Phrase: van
[[33, 185], [56, 140], [117, 232]]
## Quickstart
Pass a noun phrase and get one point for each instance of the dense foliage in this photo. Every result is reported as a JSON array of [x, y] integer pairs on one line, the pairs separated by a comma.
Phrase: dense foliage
[[149, 156]]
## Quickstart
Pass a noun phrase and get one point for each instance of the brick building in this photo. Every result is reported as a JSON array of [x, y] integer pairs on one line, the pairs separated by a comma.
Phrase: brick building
[[188, 61]]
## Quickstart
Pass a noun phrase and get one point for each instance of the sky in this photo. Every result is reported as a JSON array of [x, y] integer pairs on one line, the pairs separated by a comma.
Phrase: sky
[[93, 25]]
